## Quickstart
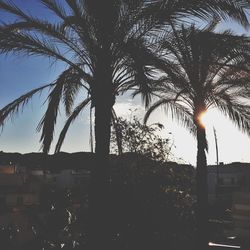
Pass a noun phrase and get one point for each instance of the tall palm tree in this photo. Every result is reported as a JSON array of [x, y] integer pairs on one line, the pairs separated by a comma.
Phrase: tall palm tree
[[204, 70], [97, 45], [105, 46]]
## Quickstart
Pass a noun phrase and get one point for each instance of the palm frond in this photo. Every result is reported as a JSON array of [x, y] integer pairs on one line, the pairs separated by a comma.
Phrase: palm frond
[[55, 7], [77, 7], [141, 68], [47, 123], [15, 106], [69, 121], [207, 10], [179, 112], [71, 86], [238, 113], [18, 42], [13, 9]]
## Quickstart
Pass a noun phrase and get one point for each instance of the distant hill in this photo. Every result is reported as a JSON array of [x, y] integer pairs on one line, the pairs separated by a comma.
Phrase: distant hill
[[58, 161], [78, 160], [9, 157]]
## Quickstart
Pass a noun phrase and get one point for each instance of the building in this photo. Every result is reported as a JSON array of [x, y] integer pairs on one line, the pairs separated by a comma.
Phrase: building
[[225, 179]]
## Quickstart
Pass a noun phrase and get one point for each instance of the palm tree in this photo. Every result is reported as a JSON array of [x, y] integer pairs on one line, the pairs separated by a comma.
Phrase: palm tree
[[97, 44], [204, 70], [105, 46]]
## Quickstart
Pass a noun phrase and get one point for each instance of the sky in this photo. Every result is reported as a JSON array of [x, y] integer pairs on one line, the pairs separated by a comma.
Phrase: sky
[[20, 74]]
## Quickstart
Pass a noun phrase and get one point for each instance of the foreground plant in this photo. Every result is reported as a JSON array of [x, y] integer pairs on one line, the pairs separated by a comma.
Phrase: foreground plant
[[134, 136]]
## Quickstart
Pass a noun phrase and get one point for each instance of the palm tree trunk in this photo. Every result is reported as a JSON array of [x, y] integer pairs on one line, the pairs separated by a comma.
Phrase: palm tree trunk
[[99, 209], [202, 191], [99, 193]]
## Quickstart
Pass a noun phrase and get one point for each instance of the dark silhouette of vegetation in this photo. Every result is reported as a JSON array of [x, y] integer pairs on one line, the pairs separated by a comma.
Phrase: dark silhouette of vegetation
[[134, 136], [107, 47], [151, 203], [204, 70]]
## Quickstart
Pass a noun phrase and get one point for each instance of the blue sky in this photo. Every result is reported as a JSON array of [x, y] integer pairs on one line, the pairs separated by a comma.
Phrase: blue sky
[[20, 74]]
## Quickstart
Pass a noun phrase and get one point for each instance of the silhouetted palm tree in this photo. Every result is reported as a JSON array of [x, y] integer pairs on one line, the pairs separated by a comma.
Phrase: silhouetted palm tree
[[103, 45], [204, 70], [77, 37], [106, 48]]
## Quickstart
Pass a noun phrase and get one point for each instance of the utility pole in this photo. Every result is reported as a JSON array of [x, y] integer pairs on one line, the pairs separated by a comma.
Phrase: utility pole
[[217, 163], [216, 147]]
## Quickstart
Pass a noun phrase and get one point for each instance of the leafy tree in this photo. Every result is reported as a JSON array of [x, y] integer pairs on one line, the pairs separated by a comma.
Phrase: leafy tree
[[136, 137], [204, 70]]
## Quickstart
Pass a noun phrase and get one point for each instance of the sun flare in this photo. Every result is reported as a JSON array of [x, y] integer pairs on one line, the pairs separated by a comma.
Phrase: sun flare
[[210, 118], [203, 118]]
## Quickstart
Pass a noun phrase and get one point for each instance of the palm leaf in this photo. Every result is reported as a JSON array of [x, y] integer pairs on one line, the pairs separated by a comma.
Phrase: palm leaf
[[71, 87], [219, 9], [178, 112], [12, 108], [71, 118], [47, 123], [238, 113], [55, 7]]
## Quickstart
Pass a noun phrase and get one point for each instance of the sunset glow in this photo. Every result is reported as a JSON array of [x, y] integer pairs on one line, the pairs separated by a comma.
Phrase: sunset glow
[[210, 117], [204, 119]]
